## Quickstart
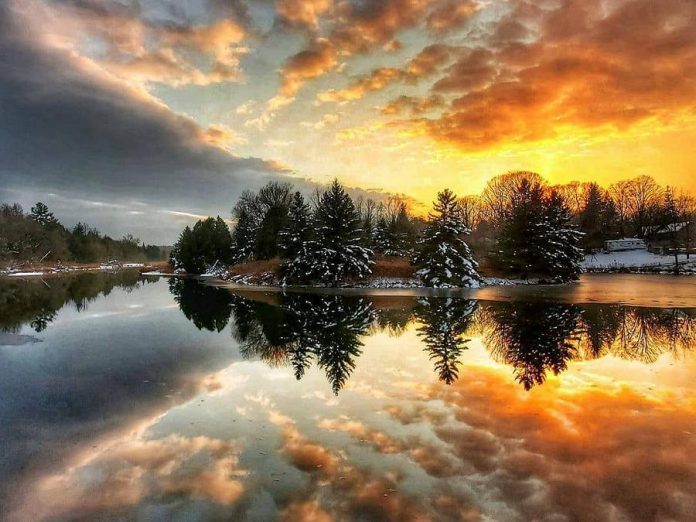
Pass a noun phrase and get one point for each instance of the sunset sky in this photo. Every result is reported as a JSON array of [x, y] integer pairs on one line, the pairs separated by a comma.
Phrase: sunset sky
[[139, 116]]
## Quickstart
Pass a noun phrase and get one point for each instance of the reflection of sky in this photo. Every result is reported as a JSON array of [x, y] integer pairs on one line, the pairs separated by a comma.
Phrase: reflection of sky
[[607, 439]]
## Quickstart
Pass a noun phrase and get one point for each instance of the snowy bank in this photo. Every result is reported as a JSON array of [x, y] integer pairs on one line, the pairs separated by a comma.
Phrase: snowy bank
[[636, 261]]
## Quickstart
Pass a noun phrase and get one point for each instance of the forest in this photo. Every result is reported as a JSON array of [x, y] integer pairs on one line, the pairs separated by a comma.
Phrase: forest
[[38, 237], [519, 225]]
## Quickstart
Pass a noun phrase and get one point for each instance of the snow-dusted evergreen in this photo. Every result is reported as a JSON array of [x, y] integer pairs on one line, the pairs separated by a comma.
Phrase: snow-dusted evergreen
[[298, 229], [443, 258], [563, 256], [335, 253], [243, 237], [537, 238]]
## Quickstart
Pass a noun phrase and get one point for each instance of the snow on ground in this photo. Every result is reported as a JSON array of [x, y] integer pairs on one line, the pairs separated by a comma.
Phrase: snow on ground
[[629, 259]]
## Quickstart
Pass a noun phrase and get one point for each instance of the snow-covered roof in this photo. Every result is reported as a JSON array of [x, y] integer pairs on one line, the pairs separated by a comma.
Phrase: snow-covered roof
[[664, 229]]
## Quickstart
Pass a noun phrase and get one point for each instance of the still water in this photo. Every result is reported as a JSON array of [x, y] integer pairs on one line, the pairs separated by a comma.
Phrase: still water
[[131, 398]]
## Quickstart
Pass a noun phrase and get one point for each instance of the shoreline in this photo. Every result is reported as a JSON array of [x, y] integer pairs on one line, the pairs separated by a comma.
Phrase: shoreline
[[77, 268]]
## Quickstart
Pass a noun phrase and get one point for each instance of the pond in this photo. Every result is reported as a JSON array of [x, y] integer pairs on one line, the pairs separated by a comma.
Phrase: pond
[[125, 397]]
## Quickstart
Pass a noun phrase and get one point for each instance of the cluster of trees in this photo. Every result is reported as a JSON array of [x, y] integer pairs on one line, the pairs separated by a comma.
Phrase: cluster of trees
[[628, 208], [519, 225], [333, 238], [325, 240], [38, 236]]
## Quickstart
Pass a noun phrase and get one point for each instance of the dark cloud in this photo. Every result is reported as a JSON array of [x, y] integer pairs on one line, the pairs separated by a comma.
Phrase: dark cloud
[[66, 131]]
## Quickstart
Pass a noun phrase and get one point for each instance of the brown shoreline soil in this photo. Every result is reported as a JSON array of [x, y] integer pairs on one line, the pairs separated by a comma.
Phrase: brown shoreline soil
[[385, 266]]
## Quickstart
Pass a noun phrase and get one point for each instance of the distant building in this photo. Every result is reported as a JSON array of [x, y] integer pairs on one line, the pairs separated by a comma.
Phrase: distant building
[[662, 239], [624, 244]]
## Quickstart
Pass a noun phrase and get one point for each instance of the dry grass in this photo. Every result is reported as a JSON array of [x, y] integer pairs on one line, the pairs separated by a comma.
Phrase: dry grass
[[256, 267], [392, 267], [384, 267]]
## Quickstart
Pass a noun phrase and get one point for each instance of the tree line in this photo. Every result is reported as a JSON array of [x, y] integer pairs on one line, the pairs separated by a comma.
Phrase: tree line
[[518, 226], [38, 236], [331, 237]]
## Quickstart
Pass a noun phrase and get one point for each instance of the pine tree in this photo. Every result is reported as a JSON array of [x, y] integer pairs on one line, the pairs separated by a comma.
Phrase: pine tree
[[596, 217], [243, 237], [297, 230], [336, 254], [522, 237], [205, 245], [538, 237], [444, 259], [380, 236], [42, 216], [561, 256]]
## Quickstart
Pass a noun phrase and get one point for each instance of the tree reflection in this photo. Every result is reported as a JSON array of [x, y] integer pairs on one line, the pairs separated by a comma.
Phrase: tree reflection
[[634, 333], [205, 306], [305, 328], [36, 302], [444, 323], [534, 338], [298, 330]]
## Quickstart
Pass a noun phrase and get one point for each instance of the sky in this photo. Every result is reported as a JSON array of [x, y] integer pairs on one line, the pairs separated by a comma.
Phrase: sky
[[141, 116]]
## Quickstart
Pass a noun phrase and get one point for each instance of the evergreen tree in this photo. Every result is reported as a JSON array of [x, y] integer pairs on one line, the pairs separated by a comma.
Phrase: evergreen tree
[[401, 233], [380, 236], [42, 216], [538, 238], [522, 237], [243, 237], [444, 259], [562, 255], [297, 230], [596, 217], [336, 254], [205, 245]]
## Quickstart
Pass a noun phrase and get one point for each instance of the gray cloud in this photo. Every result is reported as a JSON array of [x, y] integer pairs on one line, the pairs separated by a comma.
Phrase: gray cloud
[[85, 138]]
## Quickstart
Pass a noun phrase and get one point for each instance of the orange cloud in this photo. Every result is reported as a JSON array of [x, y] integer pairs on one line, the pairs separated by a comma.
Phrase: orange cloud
[[357, 28], [311, 63], [588, 68], [413, 105], [451, 15], [425, 63], [303, 12]]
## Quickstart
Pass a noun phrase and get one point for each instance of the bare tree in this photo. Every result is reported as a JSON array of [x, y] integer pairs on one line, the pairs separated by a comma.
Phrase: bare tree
[[686, 210], [644, 198], [619, 193], [470, 208], [501, 193]]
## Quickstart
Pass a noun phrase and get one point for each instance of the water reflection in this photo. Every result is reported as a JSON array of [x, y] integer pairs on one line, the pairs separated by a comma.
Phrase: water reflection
[[536, 339], [444, 323], [533, 338], [36, 301], [305, 328], [150, 410]]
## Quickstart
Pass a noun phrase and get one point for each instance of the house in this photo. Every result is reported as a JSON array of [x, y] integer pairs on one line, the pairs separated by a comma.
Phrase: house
[[662, 239], [624, 244]]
